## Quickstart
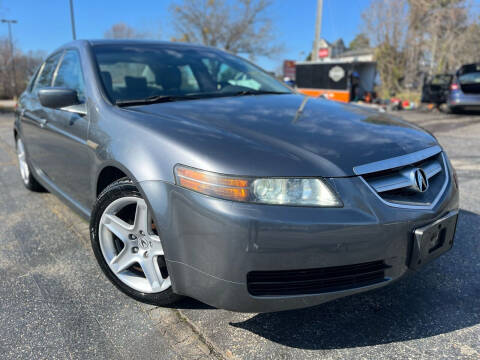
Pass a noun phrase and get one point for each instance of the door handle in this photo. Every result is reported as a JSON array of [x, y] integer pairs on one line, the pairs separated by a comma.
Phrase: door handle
[[42, 122]]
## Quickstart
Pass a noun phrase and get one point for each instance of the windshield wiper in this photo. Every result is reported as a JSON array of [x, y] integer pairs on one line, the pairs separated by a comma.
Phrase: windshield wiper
[[256, 92], [170, 98], [151, 100]]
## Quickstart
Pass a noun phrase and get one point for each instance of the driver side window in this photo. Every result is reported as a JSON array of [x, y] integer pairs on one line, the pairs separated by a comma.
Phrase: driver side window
[[44, 78], [70, 75]]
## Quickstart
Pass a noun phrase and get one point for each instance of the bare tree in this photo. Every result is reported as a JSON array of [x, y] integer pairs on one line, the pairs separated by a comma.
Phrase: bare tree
[[470, 45], [415, 62], [6, 88], [441, 37], [243, 27], [25, 65], [414, 38], [447, 30], [123, 31], [385, 26]]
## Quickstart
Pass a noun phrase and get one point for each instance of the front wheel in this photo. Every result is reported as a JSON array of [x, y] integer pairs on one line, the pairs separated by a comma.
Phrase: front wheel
[[127, 245]]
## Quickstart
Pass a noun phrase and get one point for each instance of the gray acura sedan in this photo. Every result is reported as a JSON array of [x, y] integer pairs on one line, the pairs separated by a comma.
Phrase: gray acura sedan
[[204, 176]]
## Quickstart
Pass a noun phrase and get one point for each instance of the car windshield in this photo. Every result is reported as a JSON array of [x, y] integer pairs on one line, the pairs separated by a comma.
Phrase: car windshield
[[150, 73]]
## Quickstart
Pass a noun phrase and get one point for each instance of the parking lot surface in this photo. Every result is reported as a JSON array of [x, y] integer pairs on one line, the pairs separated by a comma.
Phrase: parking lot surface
[[55, 303]]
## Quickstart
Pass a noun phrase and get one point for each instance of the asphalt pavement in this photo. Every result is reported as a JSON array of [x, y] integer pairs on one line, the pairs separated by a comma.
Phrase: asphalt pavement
[[55, 303]]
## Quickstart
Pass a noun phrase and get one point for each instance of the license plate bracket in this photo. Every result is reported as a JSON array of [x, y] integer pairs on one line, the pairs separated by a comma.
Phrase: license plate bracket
[[433, 240]]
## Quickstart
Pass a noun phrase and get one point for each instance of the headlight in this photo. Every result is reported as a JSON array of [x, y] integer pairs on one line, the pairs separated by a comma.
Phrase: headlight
[[278, 191]]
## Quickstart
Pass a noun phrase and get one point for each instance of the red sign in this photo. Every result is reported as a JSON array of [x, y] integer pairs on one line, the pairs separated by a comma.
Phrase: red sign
[[323, 53], [289, 69]]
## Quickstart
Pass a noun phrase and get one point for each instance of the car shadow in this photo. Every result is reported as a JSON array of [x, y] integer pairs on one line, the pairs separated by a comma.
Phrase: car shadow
[[442, 297], [469, 112], [189, 304]]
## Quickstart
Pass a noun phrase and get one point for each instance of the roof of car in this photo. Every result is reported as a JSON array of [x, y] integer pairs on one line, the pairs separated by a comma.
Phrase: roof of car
[[469, 68], [128, 41], [102, 42], [107, 42]]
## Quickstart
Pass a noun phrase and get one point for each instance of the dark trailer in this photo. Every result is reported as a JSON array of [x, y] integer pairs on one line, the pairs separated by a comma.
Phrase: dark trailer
[[335, 79]]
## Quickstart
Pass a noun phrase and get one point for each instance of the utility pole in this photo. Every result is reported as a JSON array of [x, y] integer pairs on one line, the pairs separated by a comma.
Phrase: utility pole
[[72, 19], [12, 55], [318, 29]]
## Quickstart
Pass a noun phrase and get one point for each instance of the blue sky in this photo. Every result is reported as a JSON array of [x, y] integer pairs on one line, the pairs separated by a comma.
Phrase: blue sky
[[45, 24]]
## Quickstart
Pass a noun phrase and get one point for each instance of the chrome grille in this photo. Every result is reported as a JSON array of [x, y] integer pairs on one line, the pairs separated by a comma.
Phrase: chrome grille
[[393, 180], [402, 178]]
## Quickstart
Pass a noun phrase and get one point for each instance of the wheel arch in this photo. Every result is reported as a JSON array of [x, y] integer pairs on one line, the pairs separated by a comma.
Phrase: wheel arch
[[108, 175], [111, 172]]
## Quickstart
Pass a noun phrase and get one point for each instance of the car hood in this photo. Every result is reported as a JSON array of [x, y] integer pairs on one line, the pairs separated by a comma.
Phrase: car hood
[[282, 135]]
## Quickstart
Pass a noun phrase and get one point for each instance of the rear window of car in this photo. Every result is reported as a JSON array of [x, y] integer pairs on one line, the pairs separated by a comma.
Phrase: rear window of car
[[441, 79], [469, 78]]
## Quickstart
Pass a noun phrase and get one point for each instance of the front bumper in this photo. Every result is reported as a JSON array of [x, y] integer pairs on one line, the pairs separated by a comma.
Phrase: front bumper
[[211, 244]]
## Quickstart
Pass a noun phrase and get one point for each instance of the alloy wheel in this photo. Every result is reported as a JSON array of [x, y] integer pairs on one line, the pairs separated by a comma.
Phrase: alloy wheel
[[22, 161], [131, 246]]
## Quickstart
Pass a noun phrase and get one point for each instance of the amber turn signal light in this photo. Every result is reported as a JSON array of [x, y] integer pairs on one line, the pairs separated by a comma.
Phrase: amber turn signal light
[[225, 187]]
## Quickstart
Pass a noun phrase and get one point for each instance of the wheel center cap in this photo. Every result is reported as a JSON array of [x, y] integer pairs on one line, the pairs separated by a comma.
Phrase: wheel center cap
[[144, 243]]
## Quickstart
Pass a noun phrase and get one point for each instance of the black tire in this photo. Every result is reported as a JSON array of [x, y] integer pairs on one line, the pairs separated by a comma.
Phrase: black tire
[[29, 181], [454, 110], [118, 189]]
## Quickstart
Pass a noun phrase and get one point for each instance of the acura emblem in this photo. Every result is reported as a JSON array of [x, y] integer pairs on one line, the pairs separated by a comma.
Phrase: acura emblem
[[144, 243], [420, 180]]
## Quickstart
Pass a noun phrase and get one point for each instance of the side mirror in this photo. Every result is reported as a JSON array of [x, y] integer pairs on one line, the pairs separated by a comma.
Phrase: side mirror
[[57, 98]]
